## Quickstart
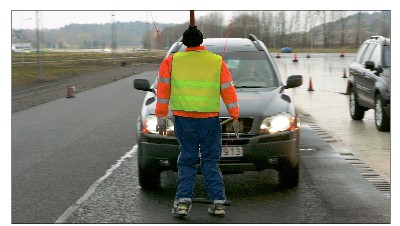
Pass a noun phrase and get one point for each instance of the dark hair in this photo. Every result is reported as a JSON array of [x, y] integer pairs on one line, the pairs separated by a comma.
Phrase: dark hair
[[192, 37]]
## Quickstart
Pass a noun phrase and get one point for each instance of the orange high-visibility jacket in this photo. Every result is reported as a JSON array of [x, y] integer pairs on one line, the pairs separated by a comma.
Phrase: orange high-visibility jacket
[[227, 91]]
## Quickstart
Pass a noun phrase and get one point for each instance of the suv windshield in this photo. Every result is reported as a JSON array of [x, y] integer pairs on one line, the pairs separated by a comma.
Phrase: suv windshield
[[250, 69]]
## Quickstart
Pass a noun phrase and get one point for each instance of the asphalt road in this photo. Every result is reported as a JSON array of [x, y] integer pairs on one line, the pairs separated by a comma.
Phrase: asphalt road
[[73, 161], [61, 147], [330, 191]]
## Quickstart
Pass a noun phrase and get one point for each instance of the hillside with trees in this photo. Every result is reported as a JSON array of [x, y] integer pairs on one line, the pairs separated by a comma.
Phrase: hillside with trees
[[297, 29]]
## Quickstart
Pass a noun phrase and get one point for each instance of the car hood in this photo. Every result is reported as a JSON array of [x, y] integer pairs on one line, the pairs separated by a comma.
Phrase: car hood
[[255, 103], [262, 103]]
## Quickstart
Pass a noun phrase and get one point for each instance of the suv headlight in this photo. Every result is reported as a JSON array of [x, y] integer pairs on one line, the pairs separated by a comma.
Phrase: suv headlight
[[278, 123], [150, 124]]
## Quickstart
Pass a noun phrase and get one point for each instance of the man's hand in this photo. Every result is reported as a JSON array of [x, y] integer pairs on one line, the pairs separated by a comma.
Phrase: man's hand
[[235, 126], [161, 127]]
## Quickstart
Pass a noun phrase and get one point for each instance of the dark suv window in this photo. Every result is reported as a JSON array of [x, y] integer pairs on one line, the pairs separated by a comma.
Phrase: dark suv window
[[360, 53], [376, 55], [367, 53], [386, 56]]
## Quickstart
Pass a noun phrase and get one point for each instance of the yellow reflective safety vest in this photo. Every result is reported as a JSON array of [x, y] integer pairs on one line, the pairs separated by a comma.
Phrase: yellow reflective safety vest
[[195, 81]]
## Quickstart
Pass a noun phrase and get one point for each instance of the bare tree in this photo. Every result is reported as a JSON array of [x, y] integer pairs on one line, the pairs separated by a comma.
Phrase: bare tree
[[313, 19], [212, 25], [290, 30], [342, 23], [266, 28], [306, 26], [358, 30], [297, 25], [332, 27], [280, 21], [245, 23], [384, 25], [325, 31]]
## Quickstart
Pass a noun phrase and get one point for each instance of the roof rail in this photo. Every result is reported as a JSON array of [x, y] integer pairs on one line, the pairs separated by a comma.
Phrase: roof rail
[[257, 42], [253, 37], [177, 46], [378, 38], [180, 39]]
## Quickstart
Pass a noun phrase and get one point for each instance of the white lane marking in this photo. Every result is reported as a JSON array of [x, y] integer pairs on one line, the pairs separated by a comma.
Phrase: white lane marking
[[94, 186]]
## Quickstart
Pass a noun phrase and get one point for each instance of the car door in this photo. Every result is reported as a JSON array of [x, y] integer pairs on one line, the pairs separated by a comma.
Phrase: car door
[[363, 76], [371, 75], [356, 66]]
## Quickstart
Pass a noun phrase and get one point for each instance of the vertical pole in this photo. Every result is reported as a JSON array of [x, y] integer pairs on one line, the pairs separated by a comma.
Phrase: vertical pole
[[192, 22], [38, 45], [113, 37]]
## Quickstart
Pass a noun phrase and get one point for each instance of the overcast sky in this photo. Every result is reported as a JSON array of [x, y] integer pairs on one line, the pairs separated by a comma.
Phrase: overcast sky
[[57, 19], [56, 14]]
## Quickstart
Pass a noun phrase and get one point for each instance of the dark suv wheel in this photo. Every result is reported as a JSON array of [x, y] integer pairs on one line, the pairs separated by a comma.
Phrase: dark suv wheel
[[149, 175], [356, 111], [289, 178], [382, 121], [148, 179]]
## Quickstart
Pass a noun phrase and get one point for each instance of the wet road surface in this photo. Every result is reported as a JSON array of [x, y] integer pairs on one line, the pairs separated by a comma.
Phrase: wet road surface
[[331, 190], [60, 153], [329, 106]]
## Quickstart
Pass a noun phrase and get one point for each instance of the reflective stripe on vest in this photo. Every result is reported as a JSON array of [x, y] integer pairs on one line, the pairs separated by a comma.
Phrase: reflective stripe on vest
[[195, 81]]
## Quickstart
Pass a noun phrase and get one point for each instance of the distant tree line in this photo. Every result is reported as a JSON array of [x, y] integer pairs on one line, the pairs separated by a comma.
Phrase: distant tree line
[[296, 29]]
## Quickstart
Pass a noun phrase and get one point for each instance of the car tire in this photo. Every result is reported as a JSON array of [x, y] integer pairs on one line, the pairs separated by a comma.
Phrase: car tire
[[382, 121], [289, 178], [149, 174], [149, 179], [356, 111]]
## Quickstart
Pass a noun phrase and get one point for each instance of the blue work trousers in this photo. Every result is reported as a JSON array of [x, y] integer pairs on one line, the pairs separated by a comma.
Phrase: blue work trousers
[[204, 135]]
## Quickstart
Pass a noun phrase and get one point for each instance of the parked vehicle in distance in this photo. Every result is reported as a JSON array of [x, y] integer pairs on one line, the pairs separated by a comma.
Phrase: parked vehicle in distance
[[286, 50], [369, 82], [269, 126]]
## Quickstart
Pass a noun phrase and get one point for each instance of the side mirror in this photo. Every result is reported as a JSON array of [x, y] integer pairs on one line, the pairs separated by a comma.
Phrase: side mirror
[[142, 84], [294, 81], [370, 65]]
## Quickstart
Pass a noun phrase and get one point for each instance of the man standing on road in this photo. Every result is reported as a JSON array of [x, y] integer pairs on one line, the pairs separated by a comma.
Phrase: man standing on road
[[192, 82]]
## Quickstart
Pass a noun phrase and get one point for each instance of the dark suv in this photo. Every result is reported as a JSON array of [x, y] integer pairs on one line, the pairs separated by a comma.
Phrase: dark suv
[[369, 82], [269, 126]]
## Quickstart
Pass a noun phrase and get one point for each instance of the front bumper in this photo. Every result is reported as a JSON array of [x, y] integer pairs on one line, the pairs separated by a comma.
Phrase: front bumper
[[260, 152]]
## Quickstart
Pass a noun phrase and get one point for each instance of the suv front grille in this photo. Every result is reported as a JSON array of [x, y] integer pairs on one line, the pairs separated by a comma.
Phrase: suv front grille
[[244, 125], [162, 141], [233, 142]]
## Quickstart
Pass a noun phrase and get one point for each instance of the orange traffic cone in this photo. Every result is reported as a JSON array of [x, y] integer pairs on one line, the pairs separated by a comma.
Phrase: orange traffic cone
[[310, 86], [342, 53], [278, 55], [344, 73], [70, 94], [295, 58]]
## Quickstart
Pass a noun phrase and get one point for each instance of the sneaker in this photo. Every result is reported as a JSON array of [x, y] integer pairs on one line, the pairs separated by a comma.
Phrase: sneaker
[[182, 206], [217, 208]]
